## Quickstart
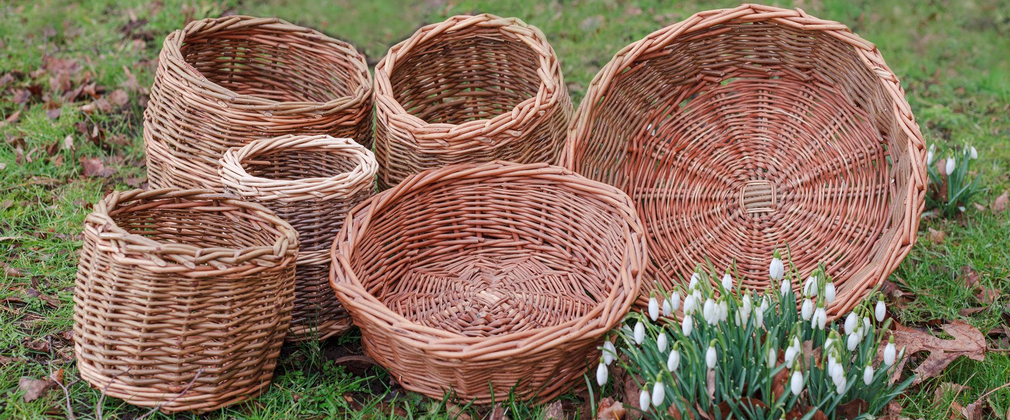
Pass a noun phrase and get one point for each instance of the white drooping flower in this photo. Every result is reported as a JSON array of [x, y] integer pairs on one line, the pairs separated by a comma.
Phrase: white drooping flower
[[727, 282], [673, 361], [764, 304], [776, 270], [643, 400], [785, 287], [709, 312], [609, 352], [759, 319], [822, 317], [674, 301], [711, 357], [852, 342], [690, 305], [972, 152], [662, 342], [796, 383], [840, 385], [929, 155], [687, 325], [653, 308], [807, 310], [829, 292], [951, 165], [810, 287], [850, 323], [694, 281], [601, 374], [889, 353], [868, 375], [658, 394], [790, 355], [746, 305], [639, 332], [667, 307], [723, 310], [880, 311], [866, 324], [772, 357], [828, 342]]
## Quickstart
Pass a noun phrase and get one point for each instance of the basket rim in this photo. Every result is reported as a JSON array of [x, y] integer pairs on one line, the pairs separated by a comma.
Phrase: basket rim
[[440, 343], [172, 54], [234, 175], [899, 244], [196, 261], [434, 134]]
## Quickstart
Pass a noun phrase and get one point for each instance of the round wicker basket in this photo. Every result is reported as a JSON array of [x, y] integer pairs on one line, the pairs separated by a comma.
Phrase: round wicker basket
[[182, 298], [475, 278], [470, 89], [744, 130], [224, 82], [311, 182]]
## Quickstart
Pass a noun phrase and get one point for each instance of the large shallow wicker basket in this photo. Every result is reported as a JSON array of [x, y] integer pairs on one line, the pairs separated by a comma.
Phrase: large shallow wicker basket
[[740, 131], [182, 298], [470, 89], [479, 277], [311, 182], [224, 82]]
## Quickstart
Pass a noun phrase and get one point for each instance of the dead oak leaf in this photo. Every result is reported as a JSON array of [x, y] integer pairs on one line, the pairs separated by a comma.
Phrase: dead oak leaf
[[34, 388], [968, 341], [1000, 203], [937, 236], [93, 167]]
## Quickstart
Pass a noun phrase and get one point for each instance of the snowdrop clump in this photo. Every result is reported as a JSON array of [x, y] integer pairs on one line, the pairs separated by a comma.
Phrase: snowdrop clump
[[712, 333], [951, 182]]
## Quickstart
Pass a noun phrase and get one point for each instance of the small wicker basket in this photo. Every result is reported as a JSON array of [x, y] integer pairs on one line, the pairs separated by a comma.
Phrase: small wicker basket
[[476, 278], [470, 89], [182, 298], [224, 82], [311, 182], [744, 130]]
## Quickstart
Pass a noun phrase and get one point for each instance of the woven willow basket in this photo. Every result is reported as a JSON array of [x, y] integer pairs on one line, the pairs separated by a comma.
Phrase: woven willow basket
[[224, 82], [183, 298], [470, 89], [311, 182], [476, 278], [740, 131]]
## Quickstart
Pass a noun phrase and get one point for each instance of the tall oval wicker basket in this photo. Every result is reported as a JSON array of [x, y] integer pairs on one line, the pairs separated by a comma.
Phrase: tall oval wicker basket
[[744, 130], [311, 182], [470, 89], [182, 298], [224, 82], [476, 278]]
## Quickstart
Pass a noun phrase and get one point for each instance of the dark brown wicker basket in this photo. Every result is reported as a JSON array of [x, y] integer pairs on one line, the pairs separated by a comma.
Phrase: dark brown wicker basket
[[741, 131], [470, 89], [224, 82], [479, 277], [311, 182], [182, 298]]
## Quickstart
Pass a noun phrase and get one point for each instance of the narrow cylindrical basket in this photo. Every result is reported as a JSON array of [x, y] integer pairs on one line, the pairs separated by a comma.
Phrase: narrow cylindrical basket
[[737, 132], [476, 278], [183, 298], [311, 182], [470, 89], [224, 82]]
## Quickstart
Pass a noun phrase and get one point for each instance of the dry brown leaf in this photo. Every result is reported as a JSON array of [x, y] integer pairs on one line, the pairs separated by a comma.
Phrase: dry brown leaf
[[34, 388], [554, 411], [68, 142], [93, 167], [119, 97], [852, 409], [49, 300], [456, 412], [608, 409], [11, 271], [937, 236], [968, 341], [1000, 203], [498, 413]]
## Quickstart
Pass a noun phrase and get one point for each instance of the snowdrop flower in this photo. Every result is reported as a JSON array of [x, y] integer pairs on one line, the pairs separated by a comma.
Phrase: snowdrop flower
[[785, 287], [973, 153], [759, 319], [853, 342], [667, 307], [658, 394], [850, 323], [807, 310], [868, 375], [828, 342], [690, 305], [772, 357], [694, 281], [840, 386], [662, 342], [821, 316], [609, 352], [829, 292], [709, 312], [790, 355], [723, 310], [951, 165], [653, 308], [889, 353], [764, 304], [929, 155], [643, 400], [810, 287], [776, 269], [727, 282], [746, 305], [601, 374], [687, 325], [674, 301], [673, 361], [639, 332], [880, 310], [796, 384], [866, 323], [710, 356]]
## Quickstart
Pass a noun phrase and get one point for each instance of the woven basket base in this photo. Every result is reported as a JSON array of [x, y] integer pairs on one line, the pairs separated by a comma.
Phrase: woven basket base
[[318, 314]]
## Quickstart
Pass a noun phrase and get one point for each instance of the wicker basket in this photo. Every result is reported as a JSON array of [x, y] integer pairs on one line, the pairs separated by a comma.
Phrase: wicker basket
[[740, 131], [479, 277], [311, 182], [182, 298], [224, 82], [470, 89]]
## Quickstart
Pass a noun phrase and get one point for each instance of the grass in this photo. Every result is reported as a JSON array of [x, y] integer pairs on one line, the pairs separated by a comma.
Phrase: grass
[[953, 58]]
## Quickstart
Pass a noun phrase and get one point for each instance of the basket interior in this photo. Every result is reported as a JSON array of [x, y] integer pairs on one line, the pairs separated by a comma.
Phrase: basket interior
[[747, 137], [190, 223], [274, 65], [293, 164], [470, 74], [491, 258]]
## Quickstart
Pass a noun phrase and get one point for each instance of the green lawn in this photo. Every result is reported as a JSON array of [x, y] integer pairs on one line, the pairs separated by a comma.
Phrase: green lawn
[[953, 58]]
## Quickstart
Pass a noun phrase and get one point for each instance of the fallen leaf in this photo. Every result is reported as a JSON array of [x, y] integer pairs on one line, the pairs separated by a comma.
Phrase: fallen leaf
[[968, 341], [68, 142], [498, 413], [11, 271], [34, 388], [49, 300], [1000, 203], [93, 167], [41, 346], [608, 409], [456, 412], [852, 409], [119, 97], [984, 294], [100, 104], [54, 114], [554, 411], [57, 376], [22, 96], [135, 182], [936, 236]]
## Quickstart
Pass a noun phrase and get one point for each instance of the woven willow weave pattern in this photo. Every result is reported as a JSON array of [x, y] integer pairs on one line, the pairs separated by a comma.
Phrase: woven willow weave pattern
[[481, 277], [182, 298], [469, 89], [744, 130], [311, 182], [224, 82]]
